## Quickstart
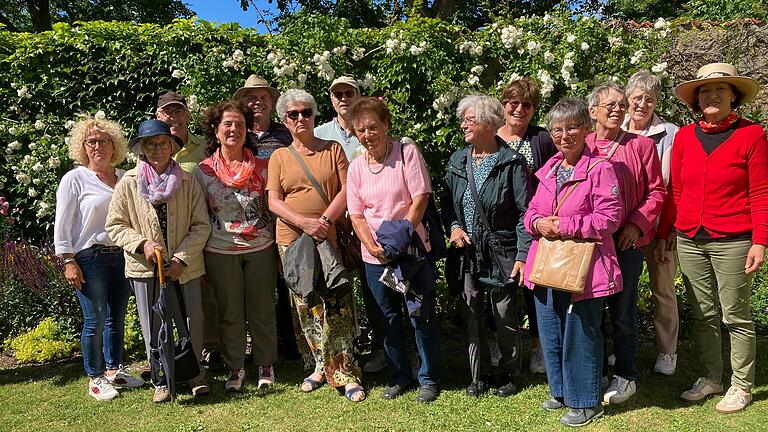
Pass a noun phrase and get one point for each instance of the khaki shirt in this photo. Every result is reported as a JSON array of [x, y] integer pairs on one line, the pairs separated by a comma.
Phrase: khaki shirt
[[191, 154]]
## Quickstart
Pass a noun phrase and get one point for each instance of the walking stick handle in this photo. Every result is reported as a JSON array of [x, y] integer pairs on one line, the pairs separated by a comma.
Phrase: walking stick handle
[[160, 275]]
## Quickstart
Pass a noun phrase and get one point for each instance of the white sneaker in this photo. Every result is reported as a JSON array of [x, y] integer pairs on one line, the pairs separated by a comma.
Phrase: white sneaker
[[619, 391], [735, 400], [666, 364], [376, 362], [537, 361], [493, 348], [100, 388], [122, 380], [266, 377], [235, 381], [702, 388]]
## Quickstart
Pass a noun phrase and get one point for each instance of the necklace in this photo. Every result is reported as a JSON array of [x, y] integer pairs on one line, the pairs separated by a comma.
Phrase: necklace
[[386, 155]]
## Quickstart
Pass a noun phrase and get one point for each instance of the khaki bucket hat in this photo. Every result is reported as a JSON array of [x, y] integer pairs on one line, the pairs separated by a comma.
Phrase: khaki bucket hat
[[255, 81]]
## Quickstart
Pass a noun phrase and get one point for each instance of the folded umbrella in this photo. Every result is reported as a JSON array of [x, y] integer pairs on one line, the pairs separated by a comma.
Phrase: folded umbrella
[[166, 349]]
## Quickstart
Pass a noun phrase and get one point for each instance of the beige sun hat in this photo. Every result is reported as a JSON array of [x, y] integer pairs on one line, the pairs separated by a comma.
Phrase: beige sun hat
[[255, 81], [348, 80], [717, 72]]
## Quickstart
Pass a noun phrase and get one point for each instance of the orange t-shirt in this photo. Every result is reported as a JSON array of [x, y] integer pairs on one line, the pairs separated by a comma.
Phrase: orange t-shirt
[[329, 166]]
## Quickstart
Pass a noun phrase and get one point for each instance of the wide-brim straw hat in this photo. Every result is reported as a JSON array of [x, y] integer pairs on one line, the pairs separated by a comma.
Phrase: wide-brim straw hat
[[717, 72], [255, 81]]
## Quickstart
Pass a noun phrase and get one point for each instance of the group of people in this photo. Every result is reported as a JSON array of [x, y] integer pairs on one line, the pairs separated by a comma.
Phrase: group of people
[[258, 206]]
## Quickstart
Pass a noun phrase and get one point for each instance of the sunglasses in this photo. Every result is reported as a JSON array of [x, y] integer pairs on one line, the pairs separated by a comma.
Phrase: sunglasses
[[514, 104], [305, 113], [349, 94]]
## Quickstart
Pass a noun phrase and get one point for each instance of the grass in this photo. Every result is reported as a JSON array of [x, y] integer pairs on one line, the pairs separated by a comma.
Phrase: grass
[[53, 398]]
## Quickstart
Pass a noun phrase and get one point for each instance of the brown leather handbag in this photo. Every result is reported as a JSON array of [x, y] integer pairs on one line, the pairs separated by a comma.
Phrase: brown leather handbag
[[563, 264]]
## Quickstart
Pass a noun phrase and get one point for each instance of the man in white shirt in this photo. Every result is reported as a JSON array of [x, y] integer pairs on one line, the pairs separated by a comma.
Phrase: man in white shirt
[[344, 93]]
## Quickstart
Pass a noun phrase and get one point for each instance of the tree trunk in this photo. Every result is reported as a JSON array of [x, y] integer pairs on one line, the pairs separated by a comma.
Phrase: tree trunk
[[40, 14]]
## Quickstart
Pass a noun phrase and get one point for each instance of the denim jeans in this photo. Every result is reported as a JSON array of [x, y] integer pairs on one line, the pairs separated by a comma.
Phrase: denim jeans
[[622, 307], [572, 344], [427, 331], [104, 300]]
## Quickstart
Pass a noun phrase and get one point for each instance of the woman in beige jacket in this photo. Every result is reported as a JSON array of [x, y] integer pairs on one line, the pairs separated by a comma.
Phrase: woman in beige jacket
[[159, 206]]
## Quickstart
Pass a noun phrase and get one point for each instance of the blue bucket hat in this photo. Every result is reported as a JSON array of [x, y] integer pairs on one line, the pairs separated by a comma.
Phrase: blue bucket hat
[[150, 128]]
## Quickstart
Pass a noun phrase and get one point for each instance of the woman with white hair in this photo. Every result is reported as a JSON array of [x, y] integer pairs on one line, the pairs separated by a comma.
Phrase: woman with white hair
[[307, 192], [643, 92], [93, 265], [157, 206], [487, 184]]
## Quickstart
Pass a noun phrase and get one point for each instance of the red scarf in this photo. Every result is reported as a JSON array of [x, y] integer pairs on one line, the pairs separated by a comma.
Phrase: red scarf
[[234, 179], [720, 126]]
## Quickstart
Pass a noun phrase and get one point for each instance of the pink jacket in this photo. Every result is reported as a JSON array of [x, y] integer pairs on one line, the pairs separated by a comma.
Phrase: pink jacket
[[640, 181], [593, 211]]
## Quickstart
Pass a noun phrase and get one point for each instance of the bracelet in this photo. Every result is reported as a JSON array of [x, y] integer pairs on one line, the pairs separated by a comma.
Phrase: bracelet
[[69, 260], [326, 218]]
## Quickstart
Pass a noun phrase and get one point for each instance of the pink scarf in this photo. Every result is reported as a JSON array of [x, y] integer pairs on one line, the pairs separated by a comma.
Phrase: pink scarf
[[234, 179], [158, 188]]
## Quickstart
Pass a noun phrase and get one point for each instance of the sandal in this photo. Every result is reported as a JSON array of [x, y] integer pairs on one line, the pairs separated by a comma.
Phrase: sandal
[[350, 393], [313, 384]]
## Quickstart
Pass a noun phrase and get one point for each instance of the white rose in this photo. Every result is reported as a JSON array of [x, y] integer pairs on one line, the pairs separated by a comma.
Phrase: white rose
[[534, 47], [32, 146], [69, 124], [238, 56], [100, 115], [178, 73], [473, 79], [39, 125], [192, 103], [570, 38], [12, 130], [54, 162], [37, 167], [23, 178], [477, 70], [584, 46], [548, 57]]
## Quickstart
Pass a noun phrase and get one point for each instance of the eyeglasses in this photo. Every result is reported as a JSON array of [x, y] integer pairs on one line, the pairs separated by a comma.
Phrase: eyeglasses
[[172, 112], [152, 145], [349, 94], [257, 98], [514, 104], [102, 142], [649, 100], [469, 121], [571, 129], [611, 106], [294, 114]]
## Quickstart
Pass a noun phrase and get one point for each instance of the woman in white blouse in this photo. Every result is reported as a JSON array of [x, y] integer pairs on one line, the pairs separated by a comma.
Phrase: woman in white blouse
[[93, 265]]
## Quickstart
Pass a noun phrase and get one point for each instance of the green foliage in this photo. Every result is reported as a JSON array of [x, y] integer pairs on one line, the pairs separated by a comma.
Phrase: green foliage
[[32, 288], [44, 343], [134, 340], [39, 15], [421, 67], [725, 10]]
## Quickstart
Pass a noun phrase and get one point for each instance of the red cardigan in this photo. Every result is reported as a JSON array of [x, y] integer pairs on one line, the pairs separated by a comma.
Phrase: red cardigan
[[725, 192]]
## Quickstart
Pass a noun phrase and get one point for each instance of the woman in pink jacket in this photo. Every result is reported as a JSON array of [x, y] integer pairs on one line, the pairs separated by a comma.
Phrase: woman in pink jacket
[[569, 325]]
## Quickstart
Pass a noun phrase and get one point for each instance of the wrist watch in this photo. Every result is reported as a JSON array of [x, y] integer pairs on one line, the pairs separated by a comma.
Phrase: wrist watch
[[69, 260], [326, 218]]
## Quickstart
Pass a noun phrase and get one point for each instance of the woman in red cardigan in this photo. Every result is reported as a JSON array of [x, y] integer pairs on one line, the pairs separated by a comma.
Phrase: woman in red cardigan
[[718, 207]]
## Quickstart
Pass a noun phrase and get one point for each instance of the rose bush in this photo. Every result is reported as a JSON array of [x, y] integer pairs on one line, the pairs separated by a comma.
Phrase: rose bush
[[421, 67]]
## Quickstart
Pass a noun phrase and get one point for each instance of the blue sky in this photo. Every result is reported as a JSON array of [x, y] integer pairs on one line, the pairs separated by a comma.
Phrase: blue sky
[[224, 11]]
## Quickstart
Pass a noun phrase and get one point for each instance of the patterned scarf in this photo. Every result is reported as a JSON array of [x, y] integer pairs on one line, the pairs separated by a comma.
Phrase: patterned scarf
[[720, 126], [158, 188], [234, 179]]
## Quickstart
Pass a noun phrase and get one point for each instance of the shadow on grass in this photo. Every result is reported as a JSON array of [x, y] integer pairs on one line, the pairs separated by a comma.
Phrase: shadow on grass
[[60, 372]]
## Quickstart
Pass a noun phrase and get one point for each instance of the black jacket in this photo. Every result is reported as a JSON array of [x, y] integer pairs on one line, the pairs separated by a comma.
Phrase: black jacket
[[542, 148], [504, 197]]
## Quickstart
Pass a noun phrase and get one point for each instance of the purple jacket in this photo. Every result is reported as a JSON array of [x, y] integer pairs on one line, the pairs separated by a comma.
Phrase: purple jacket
[[593, 211]]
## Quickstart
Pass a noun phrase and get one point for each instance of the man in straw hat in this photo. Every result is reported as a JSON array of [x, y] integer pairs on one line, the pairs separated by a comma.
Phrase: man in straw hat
[[718, 208], [267, 134]]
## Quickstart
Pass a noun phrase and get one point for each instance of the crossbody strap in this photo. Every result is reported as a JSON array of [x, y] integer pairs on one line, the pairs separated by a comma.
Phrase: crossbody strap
[[309, 175], [475, 196], [606, 158]]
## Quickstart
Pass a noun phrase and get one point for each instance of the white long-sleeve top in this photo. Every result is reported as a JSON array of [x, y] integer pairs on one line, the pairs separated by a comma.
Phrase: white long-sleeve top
[[82, 203]]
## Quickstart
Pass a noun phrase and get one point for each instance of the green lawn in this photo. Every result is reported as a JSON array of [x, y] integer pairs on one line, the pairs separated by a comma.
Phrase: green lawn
[[53, 398]]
